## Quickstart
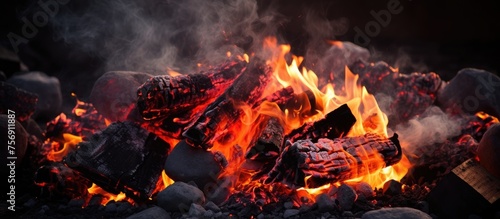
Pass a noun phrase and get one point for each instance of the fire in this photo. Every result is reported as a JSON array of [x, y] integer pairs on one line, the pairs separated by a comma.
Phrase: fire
[[369, 117], [106, 196], [57, 151]]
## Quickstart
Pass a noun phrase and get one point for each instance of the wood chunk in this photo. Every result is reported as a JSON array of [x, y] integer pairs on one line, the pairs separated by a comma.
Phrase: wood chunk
[[329, 161], [20, 101], [122, 158], [224, 111], [163, 95], [335, 124]]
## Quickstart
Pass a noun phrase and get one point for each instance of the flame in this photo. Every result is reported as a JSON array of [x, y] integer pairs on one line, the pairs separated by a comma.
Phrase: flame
[[69, 143], [364, 107], [106, 196]]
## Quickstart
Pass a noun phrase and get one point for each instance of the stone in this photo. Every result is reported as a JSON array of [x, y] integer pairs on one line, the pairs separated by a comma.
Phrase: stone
[[48, 89], [186, 163], [151, 213], [392, 187], [471, 91], [196, 210], [346, 196], [365, 189], [325, 203], [32, 128], [396, 213], [488, 150], [212, 206], [290, 213], [179, 196], [114, 94], [20, 146]]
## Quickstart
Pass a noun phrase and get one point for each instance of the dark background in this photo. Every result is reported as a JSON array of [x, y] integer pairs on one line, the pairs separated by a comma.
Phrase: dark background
[[440, 36]]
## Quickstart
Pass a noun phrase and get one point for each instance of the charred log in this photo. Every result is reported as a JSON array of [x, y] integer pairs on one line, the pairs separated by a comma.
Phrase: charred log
[[411, 94], [164, 95], [22, 102], [335, 124], [280, 97], [329, 161], [246, 89], [269, 142], [56, 179], [122, 158]]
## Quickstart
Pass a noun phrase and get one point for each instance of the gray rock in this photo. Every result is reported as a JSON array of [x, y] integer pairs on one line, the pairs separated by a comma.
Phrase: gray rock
[[212, 206], [290, 213], [186, 163], [346, 196], [114, 93], [32, 128], [196, 210], [48, 90], [396, 213], [20, 146], [208, 214], [179, 197], [471, 91], [392, 187], [488, 150], [288, 205], [365, 189], [325, 203], [151, 213]]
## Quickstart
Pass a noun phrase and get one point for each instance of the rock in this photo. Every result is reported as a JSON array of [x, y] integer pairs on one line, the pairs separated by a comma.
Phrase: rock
[[186, 163], [346, 196], [290, 213], [32, 128], [365, 189], [196, 210], [212, 206], [48, 90], [288, 205], [21, 142], [114, 93], [488, 150], [471, 91], [396, 213], [208, 214], [392, 187], [179, 197], [151, 213], [325, 203]]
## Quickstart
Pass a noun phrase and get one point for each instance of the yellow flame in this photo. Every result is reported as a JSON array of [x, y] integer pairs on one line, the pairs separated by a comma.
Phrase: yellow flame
[[69, 144], [107, 197]]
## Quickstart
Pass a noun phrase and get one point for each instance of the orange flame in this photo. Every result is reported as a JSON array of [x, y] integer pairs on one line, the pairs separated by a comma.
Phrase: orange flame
[[107, 197], [369, 117], [69, 144]]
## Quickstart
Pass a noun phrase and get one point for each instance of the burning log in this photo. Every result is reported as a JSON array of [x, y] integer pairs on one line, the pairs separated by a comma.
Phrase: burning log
[[122, 158], [163, 95], [335, 124], [60, 180], [304, 163], [269, 142], [20, 101], [246, 89]]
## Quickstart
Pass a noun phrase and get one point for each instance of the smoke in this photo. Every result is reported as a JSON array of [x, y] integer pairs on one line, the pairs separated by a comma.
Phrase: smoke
[[153, 35], [433, 126]]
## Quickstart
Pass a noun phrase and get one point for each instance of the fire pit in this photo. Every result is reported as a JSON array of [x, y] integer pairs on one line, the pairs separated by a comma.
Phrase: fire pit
[[250, 130]]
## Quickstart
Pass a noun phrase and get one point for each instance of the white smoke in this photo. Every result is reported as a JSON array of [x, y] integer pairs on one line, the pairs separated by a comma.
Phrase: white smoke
[[153, 35], [433, 126]]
